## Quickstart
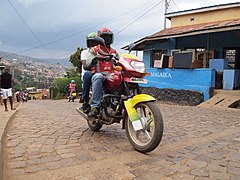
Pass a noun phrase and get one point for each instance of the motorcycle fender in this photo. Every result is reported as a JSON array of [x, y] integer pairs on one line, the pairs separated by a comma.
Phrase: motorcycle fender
[[132, 113], [141, 98]]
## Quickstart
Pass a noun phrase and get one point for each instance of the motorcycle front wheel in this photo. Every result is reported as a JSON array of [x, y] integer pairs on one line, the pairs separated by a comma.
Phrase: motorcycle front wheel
[[148, 138]]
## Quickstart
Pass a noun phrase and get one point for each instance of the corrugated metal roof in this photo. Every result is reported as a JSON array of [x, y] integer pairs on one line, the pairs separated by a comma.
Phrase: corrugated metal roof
[[219, 26]]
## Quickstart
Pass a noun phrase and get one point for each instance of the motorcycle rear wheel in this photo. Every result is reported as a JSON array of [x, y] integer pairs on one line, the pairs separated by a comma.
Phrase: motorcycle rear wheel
[[148, 138]]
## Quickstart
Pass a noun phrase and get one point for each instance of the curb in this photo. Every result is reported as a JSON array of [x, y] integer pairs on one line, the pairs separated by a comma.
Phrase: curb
[[3, 139]]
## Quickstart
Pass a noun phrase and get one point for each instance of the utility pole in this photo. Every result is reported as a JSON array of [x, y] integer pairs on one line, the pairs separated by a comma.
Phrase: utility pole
[[165, 12]]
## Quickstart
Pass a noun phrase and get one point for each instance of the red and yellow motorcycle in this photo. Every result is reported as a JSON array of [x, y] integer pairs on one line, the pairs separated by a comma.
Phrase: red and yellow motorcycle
[[123, 102]]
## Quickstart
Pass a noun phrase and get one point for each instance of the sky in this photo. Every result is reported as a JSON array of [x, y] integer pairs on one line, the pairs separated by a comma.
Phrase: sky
[[56, 28]]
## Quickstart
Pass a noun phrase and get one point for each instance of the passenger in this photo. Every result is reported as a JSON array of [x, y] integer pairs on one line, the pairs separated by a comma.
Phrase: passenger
[[86, 71]]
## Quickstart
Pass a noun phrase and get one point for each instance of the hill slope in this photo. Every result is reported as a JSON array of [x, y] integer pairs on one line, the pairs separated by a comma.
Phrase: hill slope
[[10, 56]]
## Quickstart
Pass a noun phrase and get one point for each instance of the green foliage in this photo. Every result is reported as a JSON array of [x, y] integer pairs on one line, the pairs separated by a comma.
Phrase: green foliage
[[59, 90], [61, 83], [75, 60], [53, 92], [59, 96]]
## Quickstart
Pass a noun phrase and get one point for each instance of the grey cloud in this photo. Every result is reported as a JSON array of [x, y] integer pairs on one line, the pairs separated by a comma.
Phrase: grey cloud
[[52, 20]]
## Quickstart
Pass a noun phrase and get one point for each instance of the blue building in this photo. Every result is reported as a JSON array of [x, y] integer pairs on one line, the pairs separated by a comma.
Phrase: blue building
[[195, 51]]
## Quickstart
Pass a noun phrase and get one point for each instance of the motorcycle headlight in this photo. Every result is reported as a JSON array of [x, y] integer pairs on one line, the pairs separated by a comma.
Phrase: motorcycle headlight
[[139, 66]]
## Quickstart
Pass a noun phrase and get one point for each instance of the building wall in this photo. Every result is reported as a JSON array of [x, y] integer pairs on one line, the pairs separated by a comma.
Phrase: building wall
[[205, 17], [201, 80]]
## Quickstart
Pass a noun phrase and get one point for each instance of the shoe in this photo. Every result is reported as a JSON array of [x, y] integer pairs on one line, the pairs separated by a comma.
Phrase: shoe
[[85, 108], [93, 112]]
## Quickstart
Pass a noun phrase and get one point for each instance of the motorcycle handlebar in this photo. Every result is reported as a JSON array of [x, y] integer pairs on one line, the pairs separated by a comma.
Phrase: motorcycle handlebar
[[110, 56]]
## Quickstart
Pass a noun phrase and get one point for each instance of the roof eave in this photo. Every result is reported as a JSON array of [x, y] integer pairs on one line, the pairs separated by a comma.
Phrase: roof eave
[[140, 44]]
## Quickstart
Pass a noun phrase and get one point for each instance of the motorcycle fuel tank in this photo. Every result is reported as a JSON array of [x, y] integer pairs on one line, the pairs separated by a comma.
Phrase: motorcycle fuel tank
[[113, 81]]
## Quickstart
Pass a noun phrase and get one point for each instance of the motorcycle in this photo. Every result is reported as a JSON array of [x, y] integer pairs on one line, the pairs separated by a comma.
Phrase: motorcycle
[[72, 96], [123, 102]]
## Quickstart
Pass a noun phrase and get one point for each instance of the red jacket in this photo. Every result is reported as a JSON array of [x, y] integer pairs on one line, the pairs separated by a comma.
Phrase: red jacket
[[72, 87], [98, 51]]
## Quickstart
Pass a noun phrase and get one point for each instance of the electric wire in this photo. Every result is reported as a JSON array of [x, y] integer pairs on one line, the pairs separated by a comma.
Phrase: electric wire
[[24, 22], [84, 30], [129, 24], [138, 17], [120, 25], [176, 5]]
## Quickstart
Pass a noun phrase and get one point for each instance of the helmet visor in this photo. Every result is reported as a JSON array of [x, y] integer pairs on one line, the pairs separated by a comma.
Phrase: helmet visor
[[108, 38], [91, 43]]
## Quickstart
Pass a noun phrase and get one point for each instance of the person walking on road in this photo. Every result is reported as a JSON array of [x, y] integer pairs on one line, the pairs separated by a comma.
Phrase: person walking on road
[[6, 87]]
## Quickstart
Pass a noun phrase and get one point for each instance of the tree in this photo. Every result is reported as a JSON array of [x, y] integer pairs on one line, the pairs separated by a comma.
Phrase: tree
[[75, 60]]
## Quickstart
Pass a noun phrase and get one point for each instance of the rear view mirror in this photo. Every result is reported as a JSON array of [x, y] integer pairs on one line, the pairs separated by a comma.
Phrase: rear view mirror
[[130, 47]]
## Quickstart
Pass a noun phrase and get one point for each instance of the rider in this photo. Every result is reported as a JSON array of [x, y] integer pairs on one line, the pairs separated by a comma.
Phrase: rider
[[71, 87], [97, 78], [86, 71]]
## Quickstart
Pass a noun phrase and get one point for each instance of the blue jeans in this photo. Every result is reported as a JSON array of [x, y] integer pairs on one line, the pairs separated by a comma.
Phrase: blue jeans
[[86, 85], [97, 91]]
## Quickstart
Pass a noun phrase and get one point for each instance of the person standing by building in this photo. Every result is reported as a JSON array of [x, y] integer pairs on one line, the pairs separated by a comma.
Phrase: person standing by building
[[6, 87]]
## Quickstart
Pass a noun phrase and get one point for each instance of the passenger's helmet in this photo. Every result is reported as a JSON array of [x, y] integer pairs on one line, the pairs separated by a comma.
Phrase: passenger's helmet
[[106, 34], [91, 39], [72, 81]]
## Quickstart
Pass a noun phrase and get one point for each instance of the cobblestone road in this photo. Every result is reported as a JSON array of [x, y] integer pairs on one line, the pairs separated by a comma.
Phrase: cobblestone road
[[49, 140]]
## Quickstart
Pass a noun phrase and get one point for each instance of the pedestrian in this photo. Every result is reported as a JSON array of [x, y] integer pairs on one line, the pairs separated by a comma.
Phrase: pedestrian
[[6, 87]]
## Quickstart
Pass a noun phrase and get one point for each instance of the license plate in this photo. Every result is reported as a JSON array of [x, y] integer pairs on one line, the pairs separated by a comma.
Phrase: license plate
[[138, 80]]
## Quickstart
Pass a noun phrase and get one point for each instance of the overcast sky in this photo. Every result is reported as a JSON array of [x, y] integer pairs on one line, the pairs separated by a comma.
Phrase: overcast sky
[[55, 28]]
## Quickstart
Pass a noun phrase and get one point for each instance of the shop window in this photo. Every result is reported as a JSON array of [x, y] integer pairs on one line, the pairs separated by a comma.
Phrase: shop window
[[202, 56], [230, 55], [157, 55]]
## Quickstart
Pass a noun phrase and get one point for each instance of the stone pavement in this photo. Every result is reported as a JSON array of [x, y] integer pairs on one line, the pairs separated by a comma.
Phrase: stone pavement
[[4, 118], [49, 140]]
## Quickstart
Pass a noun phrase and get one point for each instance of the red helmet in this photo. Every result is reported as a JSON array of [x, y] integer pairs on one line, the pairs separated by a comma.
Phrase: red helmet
[[106, 34]]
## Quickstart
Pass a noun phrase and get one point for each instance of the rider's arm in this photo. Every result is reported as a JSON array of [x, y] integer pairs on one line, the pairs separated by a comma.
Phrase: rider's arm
[[84, 55], [91, 59]]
